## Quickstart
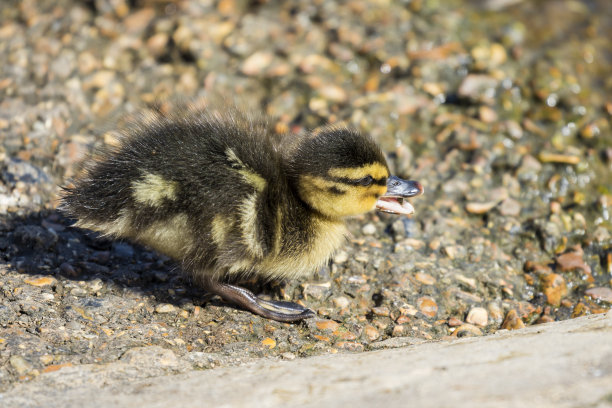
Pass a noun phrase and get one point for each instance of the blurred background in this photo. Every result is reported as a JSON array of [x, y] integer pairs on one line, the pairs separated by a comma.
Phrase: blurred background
[[500, 108]]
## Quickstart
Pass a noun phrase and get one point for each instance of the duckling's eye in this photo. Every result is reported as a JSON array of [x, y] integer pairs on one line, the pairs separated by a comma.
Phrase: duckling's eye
[[366, 181]]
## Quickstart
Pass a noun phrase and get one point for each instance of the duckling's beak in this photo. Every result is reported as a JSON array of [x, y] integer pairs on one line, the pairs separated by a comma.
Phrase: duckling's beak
[[397, 189]]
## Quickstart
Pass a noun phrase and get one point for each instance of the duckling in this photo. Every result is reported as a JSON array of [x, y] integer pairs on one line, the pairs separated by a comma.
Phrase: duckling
[[228, 199]]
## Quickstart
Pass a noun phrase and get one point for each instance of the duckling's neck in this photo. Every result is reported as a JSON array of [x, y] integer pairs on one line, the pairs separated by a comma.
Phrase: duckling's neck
[[307, 240]]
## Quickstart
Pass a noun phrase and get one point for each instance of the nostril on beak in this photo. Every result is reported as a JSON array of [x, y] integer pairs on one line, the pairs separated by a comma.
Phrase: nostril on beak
[[419, 187]]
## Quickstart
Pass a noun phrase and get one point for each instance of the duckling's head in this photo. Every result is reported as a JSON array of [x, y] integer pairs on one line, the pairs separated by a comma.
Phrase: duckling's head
[[340, 172]]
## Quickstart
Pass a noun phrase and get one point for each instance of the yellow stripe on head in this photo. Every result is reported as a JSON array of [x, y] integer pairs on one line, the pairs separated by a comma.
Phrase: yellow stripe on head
[[375, 170], [336, 199]]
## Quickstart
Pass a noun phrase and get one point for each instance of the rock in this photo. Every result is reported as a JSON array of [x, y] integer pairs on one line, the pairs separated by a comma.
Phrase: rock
[[554, 287], [344, 334], [7, 314], [530, 348], [371, 333], [467, 330], [34, 237], [165, 308], [425, 278], [558, 158], [20, 364], [269, 342], [427, 306], [138, 21], [489, 56], [570, 261], [398, 330], [514, 129], [328, 325], [201, 360], [549, 234], [408, 310], [510, 207], [600, 293], [316, 290], [42, 281], [78, 292], [340, 257], [150, 356], [580, 310], [529, 167], [350, 346], [123, 250], [369, 229], [341, 302], [479, 207], [486, 114], [512, 321], [256, 63], [157, 44], [478, 316], [601, 234], [19, 170], [288, 356], [380, 311], [478, 88]]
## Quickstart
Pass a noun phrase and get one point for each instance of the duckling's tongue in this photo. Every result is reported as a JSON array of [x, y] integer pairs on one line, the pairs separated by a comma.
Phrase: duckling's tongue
[[394, 205]]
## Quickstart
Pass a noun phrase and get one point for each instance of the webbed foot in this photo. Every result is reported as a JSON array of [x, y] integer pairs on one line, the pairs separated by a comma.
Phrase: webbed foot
[[274, 310]]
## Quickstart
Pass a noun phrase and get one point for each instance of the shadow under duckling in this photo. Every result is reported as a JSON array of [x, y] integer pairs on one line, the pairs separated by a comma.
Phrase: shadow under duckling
[[228, 199]]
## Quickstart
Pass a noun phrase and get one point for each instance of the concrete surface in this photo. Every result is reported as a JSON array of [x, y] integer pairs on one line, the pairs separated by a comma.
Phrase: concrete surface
[[563, 364]]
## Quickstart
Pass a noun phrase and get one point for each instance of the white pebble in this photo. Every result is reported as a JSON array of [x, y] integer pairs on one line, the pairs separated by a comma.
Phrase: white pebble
[[369, 229], [165, 308], [477, 316]]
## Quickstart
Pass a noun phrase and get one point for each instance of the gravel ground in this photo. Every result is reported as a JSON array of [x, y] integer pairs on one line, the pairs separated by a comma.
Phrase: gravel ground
[[503, 116], [542, 366]]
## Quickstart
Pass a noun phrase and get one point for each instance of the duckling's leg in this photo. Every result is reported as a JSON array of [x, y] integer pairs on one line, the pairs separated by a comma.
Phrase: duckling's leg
[[275, 310]]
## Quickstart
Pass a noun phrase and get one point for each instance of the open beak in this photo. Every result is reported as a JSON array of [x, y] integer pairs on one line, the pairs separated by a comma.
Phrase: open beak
[[397, 190]]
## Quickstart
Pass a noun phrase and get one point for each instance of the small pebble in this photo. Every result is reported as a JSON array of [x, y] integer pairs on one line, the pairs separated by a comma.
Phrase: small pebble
[[480, 208], [288, 356], [79, 292], [369, 229], [341, 302], [495, 312], [478, 316], [398, 330], [425, 278], [467, 330], [269, 342], [487, 115], [554, 287], [427, 306], [329, 325], [371, 333], [42, 281], [341, 257], [510, 207], [558, 158], [165, 308], [572, 260], [600, 293], [20, 365], [350, 346], [512, 321], [380, 311]]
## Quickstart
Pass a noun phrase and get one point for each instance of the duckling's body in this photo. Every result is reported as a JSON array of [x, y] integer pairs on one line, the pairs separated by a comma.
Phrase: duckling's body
[[228, 199]]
